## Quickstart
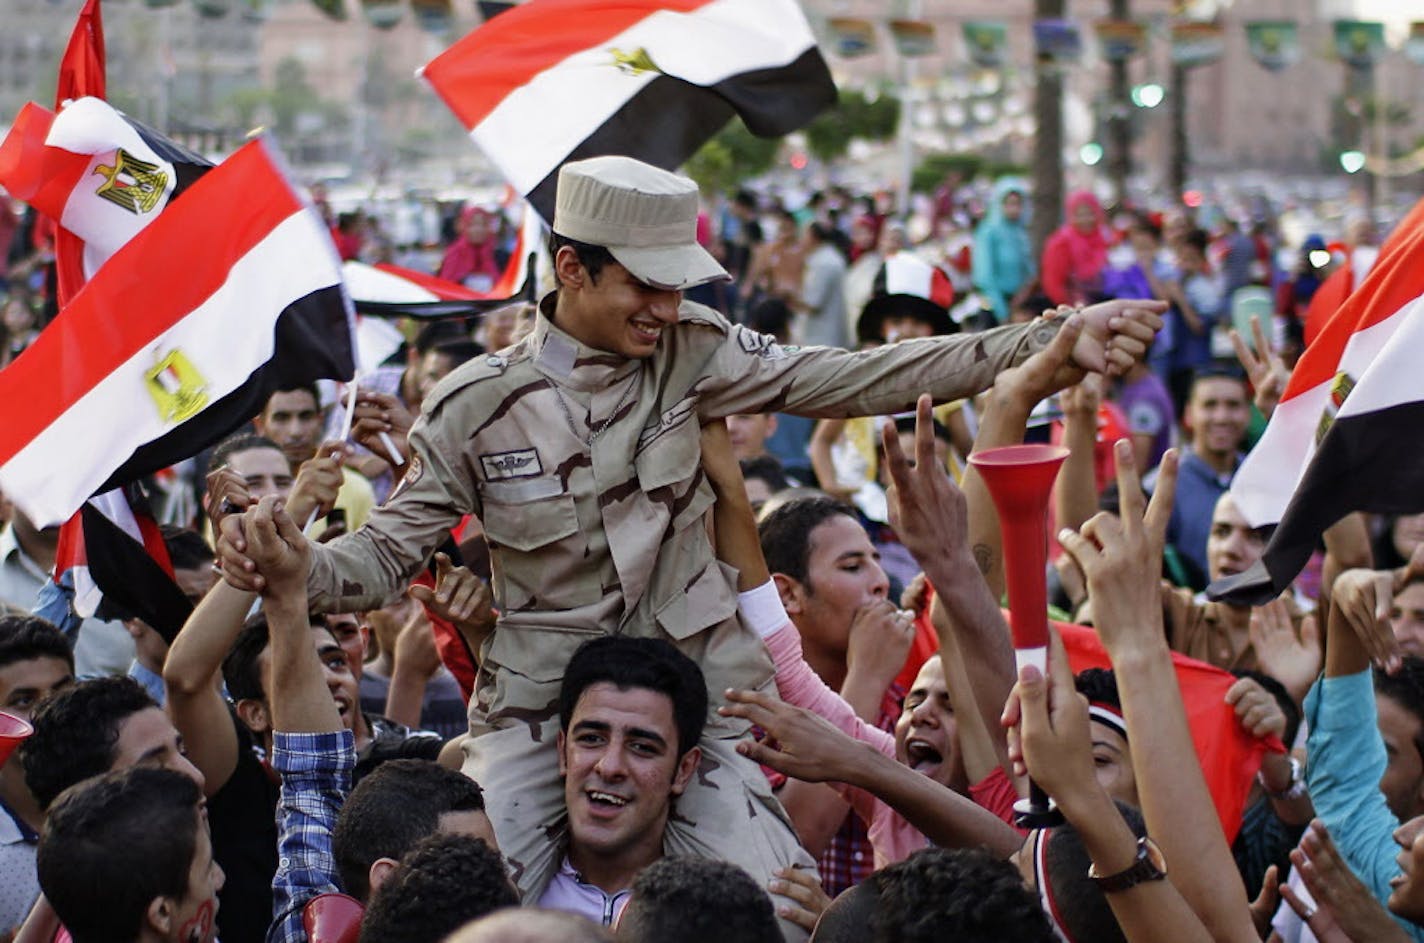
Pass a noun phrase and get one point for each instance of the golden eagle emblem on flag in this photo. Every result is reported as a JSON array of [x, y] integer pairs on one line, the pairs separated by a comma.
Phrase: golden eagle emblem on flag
[[178, 389], [1340, 388], [131, 182], [637, 62]]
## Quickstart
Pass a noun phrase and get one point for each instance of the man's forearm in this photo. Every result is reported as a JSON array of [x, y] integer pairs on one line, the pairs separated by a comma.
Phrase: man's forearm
[[196, 654], [945, 817], [982, 635], [300, 700]]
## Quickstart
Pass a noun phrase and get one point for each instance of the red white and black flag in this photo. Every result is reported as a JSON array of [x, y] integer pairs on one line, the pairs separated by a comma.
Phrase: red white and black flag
[[1348, 434], [177, 340], [551, 81], [98, 173]]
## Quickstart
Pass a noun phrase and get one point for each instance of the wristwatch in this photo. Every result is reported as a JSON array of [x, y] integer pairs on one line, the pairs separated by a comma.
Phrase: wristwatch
[[1150, 865]]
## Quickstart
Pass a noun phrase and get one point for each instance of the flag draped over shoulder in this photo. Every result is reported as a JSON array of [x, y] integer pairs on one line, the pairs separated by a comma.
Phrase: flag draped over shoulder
[[551, 81], [1348, 434], [233, 292]]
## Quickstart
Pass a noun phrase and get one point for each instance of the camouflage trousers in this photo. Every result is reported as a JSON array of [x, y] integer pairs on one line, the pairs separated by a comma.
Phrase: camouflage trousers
[[727, 812]]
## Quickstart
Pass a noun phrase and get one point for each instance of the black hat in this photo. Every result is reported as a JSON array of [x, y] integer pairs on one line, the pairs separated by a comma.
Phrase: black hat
[[907, 286]]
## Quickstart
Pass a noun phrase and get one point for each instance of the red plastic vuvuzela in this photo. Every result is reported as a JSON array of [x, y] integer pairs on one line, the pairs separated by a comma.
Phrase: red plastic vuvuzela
[[1020, 479], [333, 918], [13, 732]]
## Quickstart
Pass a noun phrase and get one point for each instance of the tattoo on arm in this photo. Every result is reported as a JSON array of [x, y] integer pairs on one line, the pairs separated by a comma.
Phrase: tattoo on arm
[[984, 557]]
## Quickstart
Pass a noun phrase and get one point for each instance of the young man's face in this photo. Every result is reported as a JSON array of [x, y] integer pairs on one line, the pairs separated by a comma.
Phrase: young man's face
[[434, 367], [1217, 414], [148, 738], [927, 734], [621, 772], [351, 635], [842, 574], [748, 434], [335, 670], [1403, 779], [265, 470], [1112, 762], [23, 684], [292, 419], [195, 914], [1406, 898], [617, 313], [1232, 545]]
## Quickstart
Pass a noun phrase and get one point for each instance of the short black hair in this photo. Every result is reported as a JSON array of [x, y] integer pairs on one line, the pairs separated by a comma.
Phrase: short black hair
[[240, 669], [241, 442], [76, 734], [847, 919], [1406, 688], [441, 884], [187, 550], [1196, 238], [112, 845], [647, 663], [786, 532], [767, 468], [690, 899], [906, 424], [296, 388], [961, 894], [393, 807], [23, 638], [1078, 903], [435, 333], [770, 316], [593, 258], [1098, 685]]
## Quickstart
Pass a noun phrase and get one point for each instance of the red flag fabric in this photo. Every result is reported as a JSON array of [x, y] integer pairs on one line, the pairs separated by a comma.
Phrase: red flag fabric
[[552, 81], [1347, 433], [146, 366], [81, 74], [1230, 757]]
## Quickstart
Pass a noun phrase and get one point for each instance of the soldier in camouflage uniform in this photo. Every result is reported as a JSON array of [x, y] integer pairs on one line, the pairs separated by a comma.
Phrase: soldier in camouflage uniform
[[578, 449]]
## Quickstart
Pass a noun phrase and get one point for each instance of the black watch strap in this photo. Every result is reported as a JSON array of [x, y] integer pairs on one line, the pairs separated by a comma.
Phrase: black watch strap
[[1149, 865]]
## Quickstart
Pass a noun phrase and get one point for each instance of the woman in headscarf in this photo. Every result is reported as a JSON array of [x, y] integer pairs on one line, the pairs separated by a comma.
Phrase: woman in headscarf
[[1076, 254], [1003, 257], [474, 259]]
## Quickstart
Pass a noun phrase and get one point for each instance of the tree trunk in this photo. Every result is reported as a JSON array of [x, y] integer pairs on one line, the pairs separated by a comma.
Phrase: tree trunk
[[1048, 140]]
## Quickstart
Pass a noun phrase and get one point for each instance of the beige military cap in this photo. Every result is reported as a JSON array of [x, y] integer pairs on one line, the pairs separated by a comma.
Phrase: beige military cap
[[645, 216]]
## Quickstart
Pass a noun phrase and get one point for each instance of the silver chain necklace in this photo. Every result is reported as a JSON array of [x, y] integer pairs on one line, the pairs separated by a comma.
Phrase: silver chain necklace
[[595, 433]]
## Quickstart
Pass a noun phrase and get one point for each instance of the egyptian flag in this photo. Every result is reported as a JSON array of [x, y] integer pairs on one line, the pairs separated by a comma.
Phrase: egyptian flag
[[82, 73], [1336, 288], [551, 81], [1348, 434], [384, 290], [99, 173], [233, 292]]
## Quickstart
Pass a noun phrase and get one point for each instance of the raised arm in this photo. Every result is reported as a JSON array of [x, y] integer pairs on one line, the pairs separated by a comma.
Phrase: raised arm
[[1056, 746], [1120, 559]]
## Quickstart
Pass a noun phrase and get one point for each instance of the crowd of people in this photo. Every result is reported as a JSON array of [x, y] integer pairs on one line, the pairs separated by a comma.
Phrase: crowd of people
[[669, 608]]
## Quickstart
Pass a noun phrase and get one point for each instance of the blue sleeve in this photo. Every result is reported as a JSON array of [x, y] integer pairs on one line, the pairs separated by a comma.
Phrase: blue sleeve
[[316, 777], [1345, 760]]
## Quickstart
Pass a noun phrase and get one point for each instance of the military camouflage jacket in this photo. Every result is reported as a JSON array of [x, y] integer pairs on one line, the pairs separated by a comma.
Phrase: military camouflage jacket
[[607, 536]]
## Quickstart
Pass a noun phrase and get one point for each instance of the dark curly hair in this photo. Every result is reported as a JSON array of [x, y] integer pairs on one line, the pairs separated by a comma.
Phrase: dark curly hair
[[1406, 688], [396, 805], [697, 900], [441, 884], [961, 894], [77, 734]]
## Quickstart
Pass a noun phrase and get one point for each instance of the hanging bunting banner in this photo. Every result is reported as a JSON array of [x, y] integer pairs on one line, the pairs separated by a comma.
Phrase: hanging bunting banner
[[382, 14], [1195, 44], [1275, 44], [433, 16], [985, 42], [1057, 42], [1414, 45], [1359, 43], [851, 38], [913, 38], [1120, 40]]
